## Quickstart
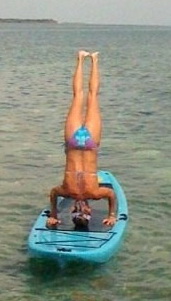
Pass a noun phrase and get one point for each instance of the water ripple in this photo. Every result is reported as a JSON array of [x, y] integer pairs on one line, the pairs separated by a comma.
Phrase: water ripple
[[37, 64]]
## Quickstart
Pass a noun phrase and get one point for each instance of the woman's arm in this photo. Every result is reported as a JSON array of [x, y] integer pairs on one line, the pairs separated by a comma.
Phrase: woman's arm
[[109, 194], [53, 219]]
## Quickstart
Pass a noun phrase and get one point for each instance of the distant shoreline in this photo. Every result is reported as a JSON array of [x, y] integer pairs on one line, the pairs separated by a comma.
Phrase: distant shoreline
[[28, 21], [55, 22]]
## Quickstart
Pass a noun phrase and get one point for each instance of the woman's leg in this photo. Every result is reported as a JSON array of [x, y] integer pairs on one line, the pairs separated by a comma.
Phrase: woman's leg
[[93, 116], [75, 115]]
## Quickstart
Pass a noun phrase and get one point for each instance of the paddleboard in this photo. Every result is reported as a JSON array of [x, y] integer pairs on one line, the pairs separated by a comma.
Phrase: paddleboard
[[96, 244]]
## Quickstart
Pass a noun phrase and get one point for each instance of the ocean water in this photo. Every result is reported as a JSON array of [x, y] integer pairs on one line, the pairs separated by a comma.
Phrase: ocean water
[[37, 63]]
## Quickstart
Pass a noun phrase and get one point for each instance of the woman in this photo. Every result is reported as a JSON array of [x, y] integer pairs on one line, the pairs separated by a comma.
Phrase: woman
[[82, 139]]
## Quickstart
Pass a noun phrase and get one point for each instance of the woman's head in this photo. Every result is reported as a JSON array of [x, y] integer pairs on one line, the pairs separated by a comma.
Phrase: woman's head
[[80, 221], [81, 214]]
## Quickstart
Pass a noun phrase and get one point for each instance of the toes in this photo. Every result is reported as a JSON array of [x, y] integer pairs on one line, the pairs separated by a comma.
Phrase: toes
[[83, 53], [95, 54]]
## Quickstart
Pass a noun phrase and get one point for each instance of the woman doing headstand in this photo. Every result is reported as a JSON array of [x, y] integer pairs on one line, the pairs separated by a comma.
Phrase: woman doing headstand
[[82, 139]]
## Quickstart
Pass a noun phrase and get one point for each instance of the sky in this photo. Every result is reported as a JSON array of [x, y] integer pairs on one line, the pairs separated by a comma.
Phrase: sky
[[139, 12]]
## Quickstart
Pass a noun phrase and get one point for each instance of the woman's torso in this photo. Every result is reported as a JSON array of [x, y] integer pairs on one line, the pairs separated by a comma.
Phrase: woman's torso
[[80, 180]]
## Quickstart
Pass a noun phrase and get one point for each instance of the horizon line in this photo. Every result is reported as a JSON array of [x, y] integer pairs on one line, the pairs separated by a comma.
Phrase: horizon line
[[76, 22]]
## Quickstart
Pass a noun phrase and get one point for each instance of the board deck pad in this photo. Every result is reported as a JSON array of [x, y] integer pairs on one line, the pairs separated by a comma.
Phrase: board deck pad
[[99, 212]]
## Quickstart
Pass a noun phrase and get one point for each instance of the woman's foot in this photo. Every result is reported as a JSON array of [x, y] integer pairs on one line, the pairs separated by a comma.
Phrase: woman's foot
[[94, 55], [82, 54]]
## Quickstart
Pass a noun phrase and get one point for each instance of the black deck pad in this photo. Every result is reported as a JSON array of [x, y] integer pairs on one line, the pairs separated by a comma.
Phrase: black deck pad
[[99, 212]]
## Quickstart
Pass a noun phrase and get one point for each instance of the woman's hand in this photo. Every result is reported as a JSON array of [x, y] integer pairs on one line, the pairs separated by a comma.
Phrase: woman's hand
[[51, 221], [110, 220]]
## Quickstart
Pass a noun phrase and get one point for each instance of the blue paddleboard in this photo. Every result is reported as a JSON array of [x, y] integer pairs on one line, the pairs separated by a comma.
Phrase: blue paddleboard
[[97, 244]]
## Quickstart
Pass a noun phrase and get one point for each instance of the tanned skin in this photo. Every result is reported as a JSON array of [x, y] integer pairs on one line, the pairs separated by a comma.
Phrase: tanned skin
[[80, 178]]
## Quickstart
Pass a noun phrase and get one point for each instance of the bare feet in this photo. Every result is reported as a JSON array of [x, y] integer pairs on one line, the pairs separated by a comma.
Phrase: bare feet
[[51, 221], [94, 55], [82, 54]]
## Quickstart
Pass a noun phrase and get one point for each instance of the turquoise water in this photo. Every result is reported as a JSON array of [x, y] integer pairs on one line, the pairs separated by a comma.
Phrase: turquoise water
[[37, 62]]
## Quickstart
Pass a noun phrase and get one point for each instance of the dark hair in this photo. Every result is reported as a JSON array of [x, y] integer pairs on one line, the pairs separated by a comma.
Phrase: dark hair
[[81, 224]]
